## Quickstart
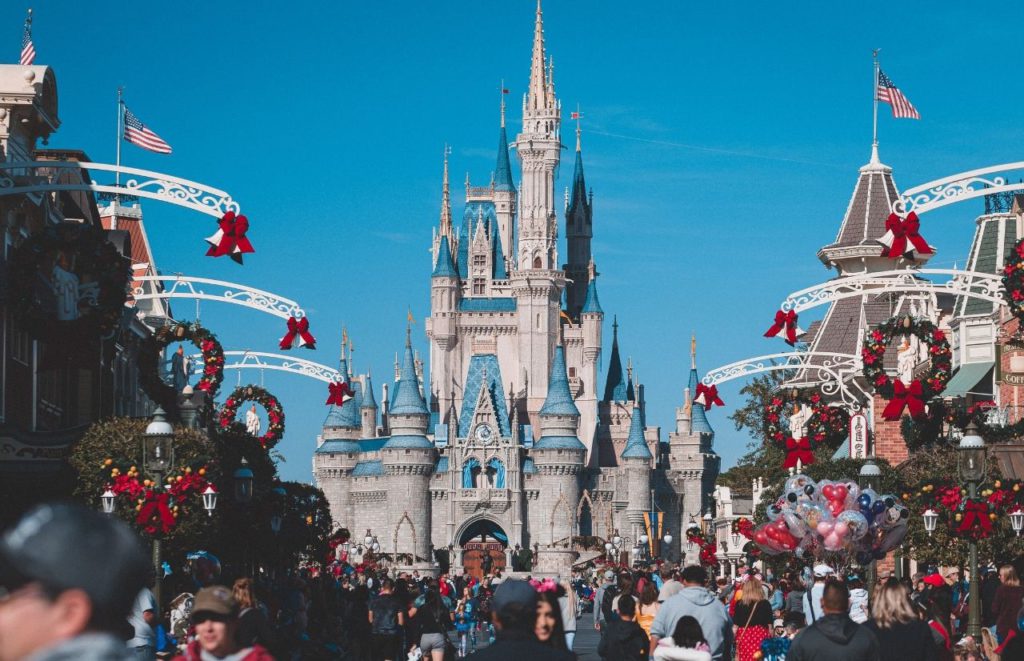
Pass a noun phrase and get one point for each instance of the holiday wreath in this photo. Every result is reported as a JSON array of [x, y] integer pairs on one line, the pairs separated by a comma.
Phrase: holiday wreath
[[149, 359], [966, 516], [157, 507], [1013, 281], [913, 395], [826, 427], [275, 414], [68, 281]]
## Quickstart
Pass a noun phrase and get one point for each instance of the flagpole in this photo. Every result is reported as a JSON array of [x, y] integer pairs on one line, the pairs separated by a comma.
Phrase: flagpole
[[874, 96]]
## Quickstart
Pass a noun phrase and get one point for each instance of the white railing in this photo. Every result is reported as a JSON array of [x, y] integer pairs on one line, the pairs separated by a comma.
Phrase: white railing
[[240, 360], [181, 286], [960, 187]]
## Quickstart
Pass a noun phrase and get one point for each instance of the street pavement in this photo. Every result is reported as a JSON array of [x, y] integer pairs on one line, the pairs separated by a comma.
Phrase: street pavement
[[585, 644]]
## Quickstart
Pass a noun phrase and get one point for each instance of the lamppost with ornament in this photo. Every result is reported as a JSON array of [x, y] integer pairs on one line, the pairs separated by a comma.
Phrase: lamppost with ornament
[[870, 475], [971, 466]]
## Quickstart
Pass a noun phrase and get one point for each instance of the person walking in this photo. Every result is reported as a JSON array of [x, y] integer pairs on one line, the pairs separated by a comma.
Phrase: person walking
[[624, 640], [567, 604], [901, 634], [696, 600], [55, 608], [549, 629], [144, 617], [648, 607], [609, 581], [755, 612], [215, 618], [1007, 601], [795, 598], [686, 643], [834, 636], [387, 617], [812, 598], [515, 618], [432, 621]]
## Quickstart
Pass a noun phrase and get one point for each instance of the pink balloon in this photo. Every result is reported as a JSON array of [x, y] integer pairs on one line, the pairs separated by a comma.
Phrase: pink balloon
[[842, 528]]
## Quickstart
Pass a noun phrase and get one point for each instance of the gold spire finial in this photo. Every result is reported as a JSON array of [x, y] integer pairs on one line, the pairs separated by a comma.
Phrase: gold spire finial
[[537, 97], [693, 351]]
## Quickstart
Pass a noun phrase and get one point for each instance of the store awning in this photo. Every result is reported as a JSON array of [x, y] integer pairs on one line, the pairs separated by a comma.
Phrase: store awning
[[968, 381]]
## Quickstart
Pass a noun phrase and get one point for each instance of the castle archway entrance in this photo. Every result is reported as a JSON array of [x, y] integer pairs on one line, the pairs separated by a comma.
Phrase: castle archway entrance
[[483, 544]]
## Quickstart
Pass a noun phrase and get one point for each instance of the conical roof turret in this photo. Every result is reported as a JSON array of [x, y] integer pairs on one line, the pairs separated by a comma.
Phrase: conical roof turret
[[615, 386], [698, 417], [503, 168], [636, 444], [408, 415], [559, 416], [559, 400], [445, 266]]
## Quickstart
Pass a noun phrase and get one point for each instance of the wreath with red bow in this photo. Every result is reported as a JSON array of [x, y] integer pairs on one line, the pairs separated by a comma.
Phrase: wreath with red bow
[[1013, 281], [971, 517], [150, 357], [743, 526], [100, 273], [827, 426], [913, 395], [157, 507], [250, 393]]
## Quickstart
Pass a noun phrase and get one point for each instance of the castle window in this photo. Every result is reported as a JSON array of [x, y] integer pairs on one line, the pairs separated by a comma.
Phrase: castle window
[[537, 262], [479, 261], [479, 287], [572, 372]]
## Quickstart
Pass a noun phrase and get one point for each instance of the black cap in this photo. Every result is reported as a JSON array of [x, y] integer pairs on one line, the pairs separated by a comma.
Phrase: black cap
[[65, 546]]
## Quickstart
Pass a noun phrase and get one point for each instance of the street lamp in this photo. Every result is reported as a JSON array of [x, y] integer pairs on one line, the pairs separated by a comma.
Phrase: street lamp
[[931, 517], [705, 522], [109, 500], [210, 500], [971, 465], [1017, 520], [869, 477], [157, 458], [243, 483]]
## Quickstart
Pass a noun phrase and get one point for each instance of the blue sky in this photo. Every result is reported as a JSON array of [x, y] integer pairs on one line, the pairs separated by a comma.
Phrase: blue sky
[[722, 141]]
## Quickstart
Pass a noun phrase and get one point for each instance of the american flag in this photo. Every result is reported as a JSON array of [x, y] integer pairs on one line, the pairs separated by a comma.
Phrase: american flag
[[28, 49], [136, 133], [889, 93]]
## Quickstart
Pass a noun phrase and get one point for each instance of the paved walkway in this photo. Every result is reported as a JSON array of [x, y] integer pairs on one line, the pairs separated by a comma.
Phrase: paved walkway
[[587, 637]]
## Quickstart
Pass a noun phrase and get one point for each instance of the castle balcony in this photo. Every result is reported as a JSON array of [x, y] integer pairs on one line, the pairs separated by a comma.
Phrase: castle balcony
[[475, 500]]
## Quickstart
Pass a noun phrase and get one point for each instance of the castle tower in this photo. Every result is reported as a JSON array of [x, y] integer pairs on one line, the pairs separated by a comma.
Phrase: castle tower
[[537, 283], [443, 325], [578, 233], [445, 229], [408, 459], [481, 258], [559, 457], [368, 410], [344, 421], [637, 460], [592, 320], [505, 195]]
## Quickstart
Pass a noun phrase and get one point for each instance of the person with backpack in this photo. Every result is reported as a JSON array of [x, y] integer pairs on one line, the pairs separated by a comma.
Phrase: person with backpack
[[387, 617], [431, 625], [624, 640]]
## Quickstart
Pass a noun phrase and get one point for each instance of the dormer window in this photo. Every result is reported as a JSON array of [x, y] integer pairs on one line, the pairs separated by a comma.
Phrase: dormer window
[[479, 286]]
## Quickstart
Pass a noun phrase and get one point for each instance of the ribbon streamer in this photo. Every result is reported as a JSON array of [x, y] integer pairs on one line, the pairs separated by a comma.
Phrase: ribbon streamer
[[230, 239], [156, 504], [901, 231], [975, 516], [798, 449], [708, 396], [787, 321], [338, 393], [298, 334], [904, 396]]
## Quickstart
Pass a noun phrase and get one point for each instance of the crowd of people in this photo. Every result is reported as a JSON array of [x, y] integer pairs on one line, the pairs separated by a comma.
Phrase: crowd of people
[[73, 585]]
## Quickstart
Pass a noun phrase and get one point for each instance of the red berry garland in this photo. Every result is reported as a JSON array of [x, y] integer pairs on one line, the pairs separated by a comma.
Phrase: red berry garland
[[914, 394], [827, 425], [149, 358], [275, 414], [1013, 281]]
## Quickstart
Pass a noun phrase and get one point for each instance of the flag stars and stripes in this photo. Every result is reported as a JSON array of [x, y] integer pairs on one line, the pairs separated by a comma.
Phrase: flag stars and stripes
[[138, 134], [28, 49], [889, 93]]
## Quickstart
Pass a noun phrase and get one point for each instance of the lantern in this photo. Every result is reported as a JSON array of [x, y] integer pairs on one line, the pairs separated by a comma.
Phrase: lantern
[[1017, 520], [109, 500], [243, 483], [931, 517], [210, 500], [971, 455]]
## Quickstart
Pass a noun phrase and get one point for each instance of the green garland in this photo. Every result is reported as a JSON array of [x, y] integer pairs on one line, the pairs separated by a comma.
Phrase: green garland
[[873, 355], [252, 393], [828, 425], [149, 359], [1013, 280], [94, 257]]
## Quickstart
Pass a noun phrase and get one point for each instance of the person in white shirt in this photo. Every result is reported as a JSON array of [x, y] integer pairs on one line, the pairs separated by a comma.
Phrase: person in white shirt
[[812, 598], [143, 619]]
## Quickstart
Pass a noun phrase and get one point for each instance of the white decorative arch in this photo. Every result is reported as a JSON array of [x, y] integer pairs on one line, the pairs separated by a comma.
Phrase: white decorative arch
[[971, 284], [961, 187], [183, 286], [239, 360], [20, 177], [831, 372], [398, 528]]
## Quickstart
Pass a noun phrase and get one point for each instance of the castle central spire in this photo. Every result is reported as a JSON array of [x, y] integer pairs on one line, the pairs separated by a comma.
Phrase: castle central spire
[[538, 92]]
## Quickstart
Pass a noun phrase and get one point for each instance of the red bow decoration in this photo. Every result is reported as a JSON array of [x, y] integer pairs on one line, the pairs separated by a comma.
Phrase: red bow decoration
[[798, 449], [785, 320], [339, 393], [156, 506], [975, 520], [904, 396], [298, 334], [708, 396], [230, 239], [898, 231]]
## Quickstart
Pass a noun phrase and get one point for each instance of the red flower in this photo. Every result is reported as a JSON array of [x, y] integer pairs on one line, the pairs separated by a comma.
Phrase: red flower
[[203, 384], [881, 380]]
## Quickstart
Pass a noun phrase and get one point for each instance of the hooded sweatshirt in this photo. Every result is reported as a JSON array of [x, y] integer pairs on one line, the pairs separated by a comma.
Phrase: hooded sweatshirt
[[834, 637], [624, 641], [87, 647], [709, 612]]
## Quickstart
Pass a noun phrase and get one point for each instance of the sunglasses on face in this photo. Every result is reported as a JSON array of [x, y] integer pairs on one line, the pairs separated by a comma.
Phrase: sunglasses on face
[[199, 618]]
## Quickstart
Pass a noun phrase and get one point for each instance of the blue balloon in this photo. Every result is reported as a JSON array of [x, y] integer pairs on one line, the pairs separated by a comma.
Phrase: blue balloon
[[877, 507], [864, 501]]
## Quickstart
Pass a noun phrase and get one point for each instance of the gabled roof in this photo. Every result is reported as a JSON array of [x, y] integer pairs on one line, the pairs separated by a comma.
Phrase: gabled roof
[[636, 444], [484, 373], [407, 399], [445, 267], [559, 400]]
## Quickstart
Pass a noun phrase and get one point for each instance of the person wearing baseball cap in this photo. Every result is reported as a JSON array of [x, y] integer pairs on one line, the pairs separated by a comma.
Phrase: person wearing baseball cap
[[215, 618], [68, 578], [514, 614]]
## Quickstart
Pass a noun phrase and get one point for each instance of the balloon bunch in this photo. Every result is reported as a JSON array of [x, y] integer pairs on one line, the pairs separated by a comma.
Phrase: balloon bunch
[[826, 519]]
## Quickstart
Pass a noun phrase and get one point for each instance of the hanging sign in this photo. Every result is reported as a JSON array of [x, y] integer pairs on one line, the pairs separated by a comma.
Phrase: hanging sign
[[858, 436]]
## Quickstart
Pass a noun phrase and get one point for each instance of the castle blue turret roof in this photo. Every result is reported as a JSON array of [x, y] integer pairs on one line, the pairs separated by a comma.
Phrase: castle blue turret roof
[[407, 399], [368, 398], [615, 386], [346, 415], [698, 418], [591, 305], [636, 445], [445, 266], [578, 198], [350, 410], [503, 170], [484, 373], [559, 443], [559, 400], [338, 445]]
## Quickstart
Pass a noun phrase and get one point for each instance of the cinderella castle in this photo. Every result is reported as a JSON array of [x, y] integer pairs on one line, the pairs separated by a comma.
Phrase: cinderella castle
[[512, 440]]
